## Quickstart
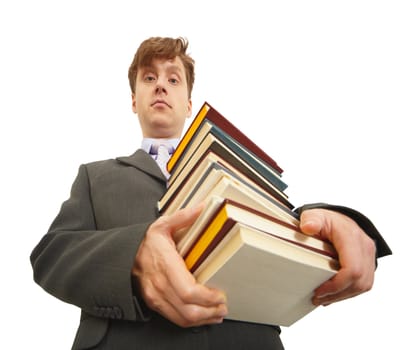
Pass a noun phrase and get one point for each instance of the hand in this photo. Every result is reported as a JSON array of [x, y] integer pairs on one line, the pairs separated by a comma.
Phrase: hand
[[165, 283], [356, 253]]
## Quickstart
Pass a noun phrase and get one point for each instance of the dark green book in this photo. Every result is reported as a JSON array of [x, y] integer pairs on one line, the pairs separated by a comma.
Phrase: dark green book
[[210, 135]]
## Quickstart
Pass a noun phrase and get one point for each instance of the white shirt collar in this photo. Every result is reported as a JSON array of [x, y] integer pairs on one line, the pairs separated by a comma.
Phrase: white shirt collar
[[147, 143]]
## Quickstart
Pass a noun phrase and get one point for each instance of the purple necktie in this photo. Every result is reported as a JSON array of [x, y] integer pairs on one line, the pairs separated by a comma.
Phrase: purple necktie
[[162, 152]]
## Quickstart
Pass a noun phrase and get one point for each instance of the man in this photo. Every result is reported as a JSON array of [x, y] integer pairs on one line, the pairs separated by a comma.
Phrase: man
[[109, 253]]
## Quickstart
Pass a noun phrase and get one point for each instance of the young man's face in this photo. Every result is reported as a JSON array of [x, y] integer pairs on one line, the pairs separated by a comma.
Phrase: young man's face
[[161, 99]]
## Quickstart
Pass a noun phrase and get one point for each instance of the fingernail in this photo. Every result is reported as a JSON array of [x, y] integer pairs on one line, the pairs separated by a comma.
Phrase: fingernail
[[198, 207], [223, 298], [321, 296], [318, 299], [308, 222], [223, 311]]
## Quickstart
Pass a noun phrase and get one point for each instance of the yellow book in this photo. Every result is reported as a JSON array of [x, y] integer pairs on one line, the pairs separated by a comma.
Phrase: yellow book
[[207, 237], [187, 137]]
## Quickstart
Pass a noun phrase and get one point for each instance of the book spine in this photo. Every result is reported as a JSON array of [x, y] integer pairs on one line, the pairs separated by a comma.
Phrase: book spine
[[221, 233], [223, 123], [190, 132], [248, 157]]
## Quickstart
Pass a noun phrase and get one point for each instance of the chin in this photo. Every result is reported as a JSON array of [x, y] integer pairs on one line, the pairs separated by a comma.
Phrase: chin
[[162, 132]]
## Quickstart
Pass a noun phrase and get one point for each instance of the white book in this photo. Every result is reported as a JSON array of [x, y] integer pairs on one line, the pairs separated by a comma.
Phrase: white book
[[266, 279]]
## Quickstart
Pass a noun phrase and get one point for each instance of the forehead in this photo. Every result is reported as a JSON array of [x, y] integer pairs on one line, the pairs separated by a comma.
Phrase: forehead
[[163, 64]]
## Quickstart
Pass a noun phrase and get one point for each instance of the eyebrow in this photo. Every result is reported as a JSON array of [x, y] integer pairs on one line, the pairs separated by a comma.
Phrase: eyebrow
[[175, 69], [171, 68]]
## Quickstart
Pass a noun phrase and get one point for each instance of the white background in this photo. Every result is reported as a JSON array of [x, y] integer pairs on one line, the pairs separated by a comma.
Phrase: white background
[[325, 87]]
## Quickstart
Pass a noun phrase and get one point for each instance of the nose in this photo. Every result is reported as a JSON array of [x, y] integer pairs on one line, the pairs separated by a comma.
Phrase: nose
[[160, 88]]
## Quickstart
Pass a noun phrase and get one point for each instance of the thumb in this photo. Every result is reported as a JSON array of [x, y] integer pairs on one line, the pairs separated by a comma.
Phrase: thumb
[[185, 217], [312, 222]]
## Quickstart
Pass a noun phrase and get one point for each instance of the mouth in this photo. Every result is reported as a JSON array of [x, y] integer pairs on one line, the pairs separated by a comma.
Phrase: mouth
[[160, 103]]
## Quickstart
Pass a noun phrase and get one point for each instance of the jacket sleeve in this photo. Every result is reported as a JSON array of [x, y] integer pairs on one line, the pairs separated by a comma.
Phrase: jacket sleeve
[[366, 225], [87, 267]]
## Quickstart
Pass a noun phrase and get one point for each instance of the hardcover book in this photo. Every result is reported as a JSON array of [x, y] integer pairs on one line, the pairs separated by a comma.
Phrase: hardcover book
[[246, 241], [195, 169], [223, 216], [212, 137], [218, 181], [207, 112], [266, 279]]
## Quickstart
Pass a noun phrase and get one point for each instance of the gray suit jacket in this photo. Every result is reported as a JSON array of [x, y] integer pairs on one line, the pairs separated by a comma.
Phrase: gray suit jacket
[[86, 258]]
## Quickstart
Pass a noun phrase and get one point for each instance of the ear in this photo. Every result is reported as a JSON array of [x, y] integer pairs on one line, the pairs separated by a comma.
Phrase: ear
[[189, 109], [133, 103]]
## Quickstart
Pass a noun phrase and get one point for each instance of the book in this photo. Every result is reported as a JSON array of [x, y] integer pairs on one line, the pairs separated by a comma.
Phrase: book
[[266, 279], [224, 213], [213, 138], [218, 181], [207, 112], [247, 240], [186, 237], [194, 170]]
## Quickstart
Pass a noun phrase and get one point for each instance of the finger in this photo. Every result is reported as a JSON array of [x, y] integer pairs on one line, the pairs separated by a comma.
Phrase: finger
[[199, 294], [312, 222], [334, 298], [336, 285], [195, 315], [351, 271], [330, 298], [184, 285], [180, 279], [166, 302], [346, 283], [182, 218], [356, 256]]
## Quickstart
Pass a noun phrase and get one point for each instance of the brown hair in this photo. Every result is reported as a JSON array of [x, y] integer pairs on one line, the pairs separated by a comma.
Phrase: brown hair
[[165, 48]]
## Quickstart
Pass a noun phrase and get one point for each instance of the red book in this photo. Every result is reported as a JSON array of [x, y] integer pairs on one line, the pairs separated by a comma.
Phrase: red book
[[209, 113]]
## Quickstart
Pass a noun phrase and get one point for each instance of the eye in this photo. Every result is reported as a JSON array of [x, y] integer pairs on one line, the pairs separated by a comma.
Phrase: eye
[[173, 81], [149, 77]]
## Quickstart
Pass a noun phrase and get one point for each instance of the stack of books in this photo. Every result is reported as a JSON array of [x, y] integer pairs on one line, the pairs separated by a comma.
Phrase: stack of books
[[246, 241]]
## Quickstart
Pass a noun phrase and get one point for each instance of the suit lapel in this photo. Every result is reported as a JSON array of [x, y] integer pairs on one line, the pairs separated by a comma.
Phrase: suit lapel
[[144, 162]]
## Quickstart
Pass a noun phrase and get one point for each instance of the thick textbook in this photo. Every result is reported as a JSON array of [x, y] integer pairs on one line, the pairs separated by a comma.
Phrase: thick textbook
[[216, 180], [221, 217], [196, 167], [214, 138], [266, 279], [247, 240], [207, 112]]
